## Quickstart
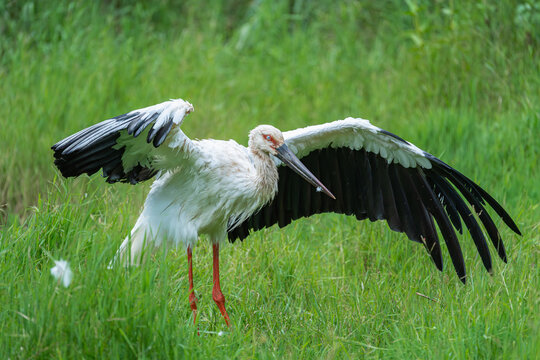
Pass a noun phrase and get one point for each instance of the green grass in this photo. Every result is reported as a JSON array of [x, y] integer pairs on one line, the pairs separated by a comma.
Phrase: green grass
[[460, 81]]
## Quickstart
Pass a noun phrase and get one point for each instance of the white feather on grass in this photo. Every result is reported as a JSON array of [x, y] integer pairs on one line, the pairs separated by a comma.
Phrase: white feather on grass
[[62, 272]]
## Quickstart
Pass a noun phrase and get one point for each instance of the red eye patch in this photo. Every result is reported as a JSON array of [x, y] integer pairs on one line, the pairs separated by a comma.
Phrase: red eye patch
[[270, 138]]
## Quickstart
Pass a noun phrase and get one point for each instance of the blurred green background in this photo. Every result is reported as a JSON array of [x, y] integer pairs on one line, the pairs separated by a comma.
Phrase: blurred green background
[[460, 79]]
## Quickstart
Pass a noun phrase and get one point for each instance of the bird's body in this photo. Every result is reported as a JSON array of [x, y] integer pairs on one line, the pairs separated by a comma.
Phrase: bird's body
[[226, 190], [219, 184]]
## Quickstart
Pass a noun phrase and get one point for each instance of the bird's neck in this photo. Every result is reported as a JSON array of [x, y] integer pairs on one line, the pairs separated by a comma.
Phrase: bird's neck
[[267, 174]]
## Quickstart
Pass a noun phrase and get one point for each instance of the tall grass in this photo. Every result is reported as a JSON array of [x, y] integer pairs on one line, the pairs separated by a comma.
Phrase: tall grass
[[460, 80]]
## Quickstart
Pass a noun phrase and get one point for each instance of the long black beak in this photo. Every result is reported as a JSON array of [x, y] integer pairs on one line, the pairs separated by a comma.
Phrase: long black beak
[[286, 155]]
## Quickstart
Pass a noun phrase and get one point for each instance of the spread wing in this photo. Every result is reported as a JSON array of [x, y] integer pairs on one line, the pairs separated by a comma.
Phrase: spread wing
[[129, 148], [377, 175]]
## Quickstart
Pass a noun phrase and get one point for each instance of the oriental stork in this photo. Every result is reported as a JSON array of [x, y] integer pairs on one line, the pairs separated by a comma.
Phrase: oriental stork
[[226, 190]]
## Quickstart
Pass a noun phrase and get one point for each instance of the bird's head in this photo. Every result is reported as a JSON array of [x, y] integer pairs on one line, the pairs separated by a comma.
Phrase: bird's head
[[268, 140]]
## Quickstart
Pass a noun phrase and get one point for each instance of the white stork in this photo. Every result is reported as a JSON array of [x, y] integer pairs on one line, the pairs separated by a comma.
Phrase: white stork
[[226, 190]]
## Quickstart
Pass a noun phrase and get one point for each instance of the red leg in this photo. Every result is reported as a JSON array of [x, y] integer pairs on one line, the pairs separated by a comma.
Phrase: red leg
[[192, 298], [217, 295]]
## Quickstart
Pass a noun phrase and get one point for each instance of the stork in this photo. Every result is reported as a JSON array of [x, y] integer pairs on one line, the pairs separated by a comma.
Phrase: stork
[[226, 190]]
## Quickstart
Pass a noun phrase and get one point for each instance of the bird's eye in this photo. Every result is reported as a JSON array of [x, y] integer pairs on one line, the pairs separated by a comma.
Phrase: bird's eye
[[268, 137]]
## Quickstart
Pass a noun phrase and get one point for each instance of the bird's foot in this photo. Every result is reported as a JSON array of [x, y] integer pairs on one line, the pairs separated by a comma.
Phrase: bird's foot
[[219, 299], [193, 305]]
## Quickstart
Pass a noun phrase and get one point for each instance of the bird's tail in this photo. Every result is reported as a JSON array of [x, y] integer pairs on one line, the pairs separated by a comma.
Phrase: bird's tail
[[130, 253]]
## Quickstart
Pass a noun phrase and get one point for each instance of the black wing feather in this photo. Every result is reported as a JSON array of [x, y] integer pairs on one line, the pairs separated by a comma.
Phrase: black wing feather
[[479, 209], [427, 232], [409, 199], [92, 149], [410, 226], [445, 198], [389, 202], [137, 127], [348, 190], [467, 216], [449, 235]]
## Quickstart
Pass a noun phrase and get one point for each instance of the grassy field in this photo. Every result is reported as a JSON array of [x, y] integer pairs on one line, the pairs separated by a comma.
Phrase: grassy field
[[461, 81]]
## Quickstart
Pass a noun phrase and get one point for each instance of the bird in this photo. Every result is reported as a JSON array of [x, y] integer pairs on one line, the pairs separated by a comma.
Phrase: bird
[[227, 191]]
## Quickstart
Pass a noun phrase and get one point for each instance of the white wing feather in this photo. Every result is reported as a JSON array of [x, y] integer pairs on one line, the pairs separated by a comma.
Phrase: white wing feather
[[355, 134], [138, 150]]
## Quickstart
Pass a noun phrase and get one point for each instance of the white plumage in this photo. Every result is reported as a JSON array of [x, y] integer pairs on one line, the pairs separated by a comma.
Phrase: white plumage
[[226, 190], [62, 272], [355, 134], [209, 190]]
